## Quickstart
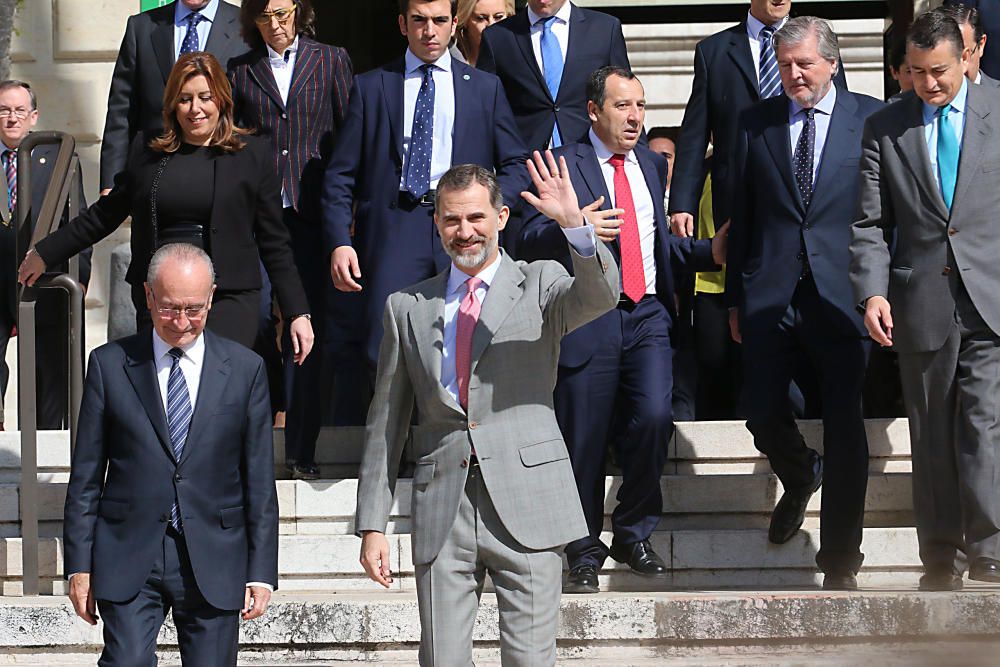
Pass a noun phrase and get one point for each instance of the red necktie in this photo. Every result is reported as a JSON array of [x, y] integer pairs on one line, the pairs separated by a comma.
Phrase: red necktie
[[633, 275], [468, 315]]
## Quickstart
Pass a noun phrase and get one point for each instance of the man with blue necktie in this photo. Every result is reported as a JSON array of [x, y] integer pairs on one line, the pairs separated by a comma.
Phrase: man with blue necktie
[[407, 123], [153, 41], [788, 290], [929, 180]]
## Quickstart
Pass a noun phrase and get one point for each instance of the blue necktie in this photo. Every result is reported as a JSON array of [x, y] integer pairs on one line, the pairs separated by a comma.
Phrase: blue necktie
[[802, 160], [418, 162], [769, 78], [178, 419], [190, 43], [947, 155], [552, 63]]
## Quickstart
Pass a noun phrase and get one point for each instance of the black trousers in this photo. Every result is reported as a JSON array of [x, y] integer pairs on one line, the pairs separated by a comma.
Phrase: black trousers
[[206, 636], [620, 397], [838, 362], [717, 357]]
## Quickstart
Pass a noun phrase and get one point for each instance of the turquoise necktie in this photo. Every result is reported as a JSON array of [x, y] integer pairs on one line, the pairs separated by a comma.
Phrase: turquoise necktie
[[947, 155]]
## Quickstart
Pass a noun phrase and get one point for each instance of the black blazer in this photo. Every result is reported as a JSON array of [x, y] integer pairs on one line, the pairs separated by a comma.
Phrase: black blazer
[[146, 56], [304, 131], [124, 475], [42, 160], [725, 83], [595, 40], [542, 238], [246, 218], [771, 226]]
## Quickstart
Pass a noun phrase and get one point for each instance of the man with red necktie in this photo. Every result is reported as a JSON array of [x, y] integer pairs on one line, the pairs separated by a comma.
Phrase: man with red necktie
[[615, 374]]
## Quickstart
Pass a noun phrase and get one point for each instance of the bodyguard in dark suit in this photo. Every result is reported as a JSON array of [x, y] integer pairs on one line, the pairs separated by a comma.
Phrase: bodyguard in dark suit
[[788, 288], [171, 503], [544, 56], [153, 41], [407, 123], [727, 79], [929, 180], [615, 374], [18, 115], [989, 12], [294, 90], [975, 38]]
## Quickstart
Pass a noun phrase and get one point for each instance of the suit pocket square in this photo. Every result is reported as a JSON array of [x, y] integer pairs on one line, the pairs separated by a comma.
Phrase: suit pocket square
[[543, 452], [113, 510], [231, 517]]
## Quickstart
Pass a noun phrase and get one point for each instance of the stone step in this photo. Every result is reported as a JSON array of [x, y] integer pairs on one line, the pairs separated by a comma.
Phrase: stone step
[[690, 502], [696, 558], [697, 448], [607, 628]]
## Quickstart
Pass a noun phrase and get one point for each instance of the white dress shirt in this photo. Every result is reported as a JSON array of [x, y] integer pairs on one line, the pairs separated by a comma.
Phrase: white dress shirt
[[642, 200], [204, 27], [282, 67], [753, 33], [560, 30], [444, 112], [581, 238], [956, 120], [797, 119]]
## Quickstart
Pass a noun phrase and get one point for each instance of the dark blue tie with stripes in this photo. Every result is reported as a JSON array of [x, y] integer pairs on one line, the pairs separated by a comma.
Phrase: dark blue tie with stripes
[[178, 419], [770, 79]]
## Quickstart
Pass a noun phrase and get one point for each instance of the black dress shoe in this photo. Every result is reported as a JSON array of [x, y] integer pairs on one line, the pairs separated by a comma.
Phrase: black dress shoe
[[640, 557], [307, 471], [985, 569], [840, 580], [941, 579], [790, 512], [581, 579]]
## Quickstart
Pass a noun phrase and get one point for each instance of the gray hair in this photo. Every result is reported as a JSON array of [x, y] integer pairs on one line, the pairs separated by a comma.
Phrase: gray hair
[[797, 30], [182, 252], [14, 83], [461, 177]]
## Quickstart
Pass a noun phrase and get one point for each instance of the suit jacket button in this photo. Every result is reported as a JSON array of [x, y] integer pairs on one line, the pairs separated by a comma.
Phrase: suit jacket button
[[946, 271], [473, 425], [952, 231], [284, 151], [284, 116], [465, 463], [177, 478], [556, 109]]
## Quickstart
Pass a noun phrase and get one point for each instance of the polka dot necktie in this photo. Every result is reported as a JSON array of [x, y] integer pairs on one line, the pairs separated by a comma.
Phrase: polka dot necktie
[[802, 160], [190, 44], [418, 162], [769, 78]]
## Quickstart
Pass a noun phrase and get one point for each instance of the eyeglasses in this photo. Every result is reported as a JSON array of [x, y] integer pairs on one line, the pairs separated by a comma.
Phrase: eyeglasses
[[282, 15], [195, 312], [19, 113]]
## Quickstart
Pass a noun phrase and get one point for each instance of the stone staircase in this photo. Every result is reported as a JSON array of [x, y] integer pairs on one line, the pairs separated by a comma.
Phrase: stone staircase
[[728, 585]]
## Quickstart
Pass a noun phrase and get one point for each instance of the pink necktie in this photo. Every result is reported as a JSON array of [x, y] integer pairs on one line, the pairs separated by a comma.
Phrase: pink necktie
[[633, 274], [468, 315]]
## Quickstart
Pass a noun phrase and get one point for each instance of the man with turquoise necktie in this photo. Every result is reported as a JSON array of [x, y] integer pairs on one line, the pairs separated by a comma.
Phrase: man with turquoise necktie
[[929, 177]]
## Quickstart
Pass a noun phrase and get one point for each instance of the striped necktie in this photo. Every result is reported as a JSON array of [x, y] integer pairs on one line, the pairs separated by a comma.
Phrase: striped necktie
[[10, 171], [178, 420], [770, 79]]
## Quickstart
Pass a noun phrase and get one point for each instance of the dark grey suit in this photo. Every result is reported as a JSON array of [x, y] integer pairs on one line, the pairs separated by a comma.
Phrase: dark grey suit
[[941, 279]]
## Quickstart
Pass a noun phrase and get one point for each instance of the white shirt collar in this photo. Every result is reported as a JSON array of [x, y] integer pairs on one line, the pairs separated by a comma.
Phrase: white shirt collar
[[754, 26], [275, 56], [181, 12], [457, 277], [561, 15], [824, 106], [413, 63], [979, 77], [604, 153], [195, 350]]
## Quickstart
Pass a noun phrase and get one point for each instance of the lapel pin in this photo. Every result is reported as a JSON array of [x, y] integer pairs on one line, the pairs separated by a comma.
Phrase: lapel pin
[[41, 160], [466, 77]]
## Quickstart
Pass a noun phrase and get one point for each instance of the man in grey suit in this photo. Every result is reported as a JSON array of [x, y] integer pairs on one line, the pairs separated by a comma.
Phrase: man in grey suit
[[929, 176], [493, 490]]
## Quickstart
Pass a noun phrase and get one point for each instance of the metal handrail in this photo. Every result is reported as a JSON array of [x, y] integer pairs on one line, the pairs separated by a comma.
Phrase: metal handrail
[[62, 190]]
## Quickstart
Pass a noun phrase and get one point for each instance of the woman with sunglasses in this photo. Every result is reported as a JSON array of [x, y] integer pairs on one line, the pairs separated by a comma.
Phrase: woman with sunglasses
[[201, 181]]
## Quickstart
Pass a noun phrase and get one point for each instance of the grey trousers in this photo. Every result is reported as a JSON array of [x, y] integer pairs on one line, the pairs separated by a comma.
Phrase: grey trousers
[[952, 398], [528, 586]]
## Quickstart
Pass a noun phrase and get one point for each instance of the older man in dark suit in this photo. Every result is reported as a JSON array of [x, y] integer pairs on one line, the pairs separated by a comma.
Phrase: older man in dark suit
[[788, 290], [152, 43], [171, 503]]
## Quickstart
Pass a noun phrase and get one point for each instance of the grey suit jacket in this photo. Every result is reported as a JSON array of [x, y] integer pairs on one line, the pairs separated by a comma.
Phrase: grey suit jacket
[[510, 420], [900, 197]]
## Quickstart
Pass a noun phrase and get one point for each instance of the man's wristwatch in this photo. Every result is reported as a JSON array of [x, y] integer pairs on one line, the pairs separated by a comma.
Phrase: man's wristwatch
[[295, 317]]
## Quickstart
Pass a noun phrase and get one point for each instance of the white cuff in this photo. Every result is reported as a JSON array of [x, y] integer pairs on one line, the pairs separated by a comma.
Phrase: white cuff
[[582, 239], [260, 584]]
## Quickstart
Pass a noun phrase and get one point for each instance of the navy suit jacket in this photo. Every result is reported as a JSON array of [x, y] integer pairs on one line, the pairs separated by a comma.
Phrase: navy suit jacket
[[989, 14], [725, 83], [124, 474], [595, 41], [304, 130], [362, 181], [542, 238], [771, 226]]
